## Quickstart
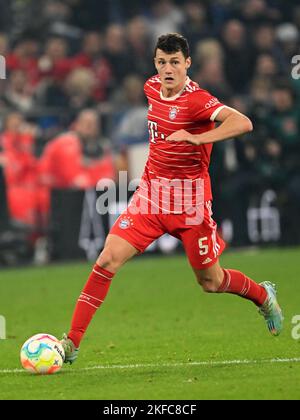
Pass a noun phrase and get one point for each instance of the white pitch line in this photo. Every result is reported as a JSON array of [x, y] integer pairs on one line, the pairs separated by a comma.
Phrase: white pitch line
[[172, 365], [187, 364]]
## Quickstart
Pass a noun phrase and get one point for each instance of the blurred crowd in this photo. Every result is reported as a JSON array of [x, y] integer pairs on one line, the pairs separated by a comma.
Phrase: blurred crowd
[[73, 106]]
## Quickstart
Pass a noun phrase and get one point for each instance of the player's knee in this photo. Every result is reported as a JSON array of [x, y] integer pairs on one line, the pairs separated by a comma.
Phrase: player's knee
[[210, 284], [109, 260], [209, 287]]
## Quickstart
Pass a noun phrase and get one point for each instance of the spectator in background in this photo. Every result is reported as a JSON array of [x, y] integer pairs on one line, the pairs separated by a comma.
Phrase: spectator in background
[[25, 57], [116, 52], [55, 63], [91, 57], [3, 44], [255, 12], [266, 67], [130, 127], [284, 121], [139, 44], [195, 26], [264, 42], [54, 66], [165, 17], [77, 159], [260, 105], [210, 75], [27, 200], [73, 94], [209, 49], [239, 60], [18, 94], [288, 37], [79, 87]]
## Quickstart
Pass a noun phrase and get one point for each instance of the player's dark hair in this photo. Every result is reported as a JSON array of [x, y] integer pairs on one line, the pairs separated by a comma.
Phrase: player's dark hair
[[171, 43]]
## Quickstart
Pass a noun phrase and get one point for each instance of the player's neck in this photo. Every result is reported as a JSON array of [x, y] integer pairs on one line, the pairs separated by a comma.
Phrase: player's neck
[[174, 92]]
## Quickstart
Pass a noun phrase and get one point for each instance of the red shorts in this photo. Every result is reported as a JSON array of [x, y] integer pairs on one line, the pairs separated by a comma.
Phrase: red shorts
[[201, 241]]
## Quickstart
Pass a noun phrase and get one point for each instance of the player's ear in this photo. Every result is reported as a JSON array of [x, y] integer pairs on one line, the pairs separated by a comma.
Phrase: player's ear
[[188, 63]]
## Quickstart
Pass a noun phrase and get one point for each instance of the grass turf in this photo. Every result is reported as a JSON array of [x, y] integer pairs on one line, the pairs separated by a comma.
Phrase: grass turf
[[155, 326]]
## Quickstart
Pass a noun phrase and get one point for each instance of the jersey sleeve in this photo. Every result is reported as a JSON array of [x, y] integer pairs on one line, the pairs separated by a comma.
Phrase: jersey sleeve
[[203, 106], [146, 89]]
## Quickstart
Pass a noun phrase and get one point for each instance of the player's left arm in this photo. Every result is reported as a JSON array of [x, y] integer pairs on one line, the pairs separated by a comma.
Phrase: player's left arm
[[233, 124]]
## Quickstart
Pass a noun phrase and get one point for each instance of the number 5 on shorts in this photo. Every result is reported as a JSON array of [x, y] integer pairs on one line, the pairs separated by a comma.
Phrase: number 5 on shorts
[[202, 246]]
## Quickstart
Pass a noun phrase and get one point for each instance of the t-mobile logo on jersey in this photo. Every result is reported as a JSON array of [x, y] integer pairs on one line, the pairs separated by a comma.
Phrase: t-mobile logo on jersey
[[153, 132], [296, 329], [296, 68], [2, 328], [2, 68]]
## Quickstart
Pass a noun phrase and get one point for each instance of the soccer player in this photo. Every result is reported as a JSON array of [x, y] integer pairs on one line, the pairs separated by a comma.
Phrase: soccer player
[[175, 195]]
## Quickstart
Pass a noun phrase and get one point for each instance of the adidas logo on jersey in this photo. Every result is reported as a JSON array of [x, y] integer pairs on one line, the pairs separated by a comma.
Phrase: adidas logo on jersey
[[208, 260]]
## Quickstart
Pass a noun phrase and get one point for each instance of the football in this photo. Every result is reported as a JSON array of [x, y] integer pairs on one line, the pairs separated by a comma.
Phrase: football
[[42, 354]]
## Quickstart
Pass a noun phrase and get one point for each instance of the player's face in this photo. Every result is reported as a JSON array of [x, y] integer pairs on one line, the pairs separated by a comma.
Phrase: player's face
[[172, 69]]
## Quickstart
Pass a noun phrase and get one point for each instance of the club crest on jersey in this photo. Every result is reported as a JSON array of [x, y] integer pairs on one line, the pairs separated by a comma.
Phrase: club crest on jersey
[[125, 223], [173, 113]]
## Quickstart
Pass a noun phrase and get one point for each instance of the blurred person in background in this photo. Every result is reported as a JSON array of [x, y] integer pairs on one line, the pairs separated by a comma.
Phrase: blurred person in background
[[283, 123], [79, 158], [17, 94], [54, 63], [265, 42], [72, 94], [3, 44], [165, 16], [283, 120], [24, 56], [92, 57], [79, 88], [27, 199], [139, 45], [209, 71], [129, 126], [195, 25], [288, 36], [238, 66], [255, 12], [266, 67], [116, 52]]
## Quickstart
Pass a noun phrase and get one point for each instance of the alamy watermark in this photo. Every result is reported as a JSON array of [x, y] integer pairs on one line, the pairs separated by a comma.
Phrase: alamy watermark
[[2, 328], [2, 68], [154, 196], [296, 328], [296, 67]]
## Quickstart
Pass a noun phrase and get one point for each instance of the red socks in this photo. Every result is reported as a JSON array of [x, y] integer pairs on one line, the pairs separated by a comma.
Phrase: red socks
[[99, 282], [89, 301], [237, 283]]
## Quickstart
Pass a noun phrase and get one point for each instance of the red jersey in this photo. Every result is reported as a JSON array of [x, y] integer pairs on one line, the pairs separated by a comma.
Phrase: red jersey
[[63, 165], [193, 110]]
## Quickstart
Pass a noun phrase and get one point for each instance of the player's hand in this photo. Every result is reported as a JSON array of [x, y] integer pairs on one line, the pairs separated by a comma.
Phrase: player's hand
[[182, 135]]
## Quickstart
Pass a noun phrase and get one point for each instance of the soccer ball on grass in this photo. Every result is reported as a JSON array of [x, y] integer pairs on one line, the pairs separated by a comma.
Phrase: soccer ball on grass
[[42, 354]]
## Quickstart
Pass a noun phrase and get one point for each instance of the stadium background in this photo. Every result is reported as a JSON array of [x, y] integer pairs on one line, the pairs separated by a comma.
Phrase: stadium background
[[63, 57]]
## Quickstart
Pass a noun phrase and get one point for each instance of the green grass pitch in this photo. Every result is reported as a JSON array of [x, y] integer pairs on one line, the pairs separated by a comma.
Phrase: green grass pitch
[[157, 336]]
